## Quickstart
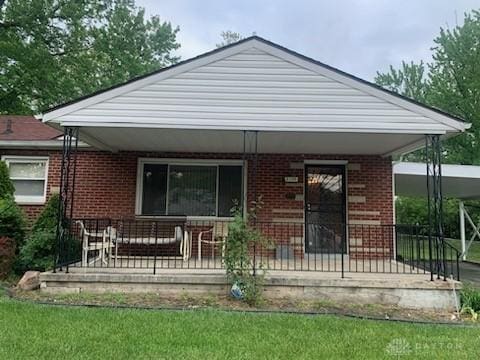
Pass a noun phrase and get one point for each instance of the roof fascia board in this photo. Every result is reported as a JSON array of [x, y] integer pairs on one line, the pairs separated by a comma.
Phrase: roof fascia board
[[136, 84], [334, 75], [250, 128]]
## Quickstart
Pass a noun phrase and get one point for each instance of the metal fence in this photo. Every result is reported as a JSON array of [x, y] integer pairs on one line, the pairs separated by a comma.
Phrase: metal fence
[[175, 243]]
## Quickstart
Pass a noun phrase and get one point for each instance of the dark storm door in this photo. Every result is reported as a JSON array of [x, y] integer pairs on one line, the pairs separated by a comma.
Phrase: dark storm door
[[325, 209]]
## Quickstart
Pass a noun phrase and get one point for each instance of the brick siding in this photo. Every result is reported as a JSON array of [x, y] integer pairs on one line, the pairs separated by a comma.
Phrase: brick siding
[[106, 187]]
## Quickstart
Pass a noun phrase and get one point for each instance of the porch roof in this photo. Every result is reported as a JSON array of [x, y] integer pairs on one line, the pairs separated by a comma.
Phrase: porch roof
[[299, 105]]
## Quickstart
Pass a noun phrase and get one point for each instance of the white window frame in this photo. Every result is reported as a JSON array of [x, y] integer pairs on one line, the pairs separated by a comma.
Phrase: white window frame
[[188, 162], [29, 200]]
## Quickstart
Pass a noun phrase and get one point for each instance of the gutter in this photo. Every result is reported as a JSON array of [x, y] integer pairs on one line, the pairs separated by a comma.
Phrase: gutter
[[38, 144]]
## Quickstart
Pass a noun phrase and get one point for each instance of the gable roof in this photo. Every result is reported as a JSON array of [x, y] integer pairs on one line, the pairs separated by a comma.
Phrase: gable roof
[[24, 127], [321, 95], [27, 132]]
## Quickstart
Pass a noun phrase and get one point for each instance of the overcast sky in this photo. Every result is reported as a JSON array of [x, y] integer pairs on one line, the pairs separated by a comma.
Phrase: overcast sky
[[357, 36]]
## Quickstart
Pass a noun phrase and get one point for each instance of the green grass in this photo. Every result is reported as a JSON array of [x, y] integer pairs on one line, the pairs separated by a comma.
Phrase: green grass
[[404, 244], [474, 251], [30, 331]]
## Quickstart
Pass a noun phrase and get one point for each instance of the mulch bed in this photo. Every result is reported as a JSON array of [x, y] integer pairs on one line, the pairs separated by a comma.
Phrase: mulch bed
[[188, 301]]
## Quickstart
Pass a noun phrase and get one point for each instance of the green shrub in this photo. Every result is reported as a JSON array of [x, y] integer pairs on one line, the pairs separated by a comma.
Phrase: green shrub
[[7, 256], [47, 220], [12, 221], [470, 297], [414, 210], [6, 186], [39, 249], [238, 259]]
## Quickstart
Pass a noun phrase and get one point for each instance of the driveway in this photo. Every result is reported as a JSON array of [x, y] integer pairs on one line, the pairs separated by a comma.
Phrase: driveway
[[470, 272]]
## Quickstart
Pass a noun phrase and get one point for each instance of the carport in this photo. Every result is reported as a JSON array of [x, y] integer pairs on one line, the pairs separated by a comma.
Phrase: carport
[[458, 181]]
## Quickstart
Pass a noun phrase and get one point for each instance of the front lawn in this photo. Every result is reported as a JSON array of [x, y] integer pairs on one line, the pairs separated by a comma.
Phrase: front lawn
[[473, 252], [407, 248], [30, 331]]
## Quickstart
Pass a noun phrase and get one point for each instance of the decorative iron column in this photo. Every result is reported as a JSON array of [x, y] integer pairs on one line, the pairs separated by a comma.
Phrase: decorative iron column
[[255, 196], [65, 206], [250, 151], [436, 240]]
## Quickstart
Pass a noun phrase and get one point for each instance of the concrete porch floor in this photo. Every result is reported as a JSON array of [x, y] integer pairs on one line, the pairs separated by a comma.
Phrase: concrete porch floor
[[313, 264]]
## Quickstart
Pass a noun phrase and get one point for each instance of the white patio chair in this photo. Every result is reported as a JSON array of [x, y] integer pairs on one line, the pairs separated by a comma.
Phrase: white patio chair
[[219, 234], [110, 240], [185, 242], [92, 241]]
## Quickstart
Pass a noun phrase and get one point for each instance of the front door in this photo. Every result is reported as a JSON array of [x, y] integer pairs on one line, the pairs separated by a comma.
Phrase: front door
[[325, 209]]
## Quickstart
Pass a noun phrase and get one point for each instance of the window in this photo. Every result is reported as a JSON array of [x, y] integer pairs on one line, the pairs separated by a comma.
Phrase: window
[[29, 176], [185, 188]]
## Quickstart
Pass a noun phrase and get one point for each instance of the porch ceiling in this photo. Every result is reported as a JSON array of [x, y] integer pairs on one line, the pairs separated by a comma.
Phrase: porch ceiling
[[227, 141]]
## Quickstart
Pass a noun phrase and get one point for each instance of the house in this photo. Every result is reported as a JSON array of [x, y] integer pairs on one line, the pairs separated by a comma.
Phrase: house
[[184, 144], [31, 150], [25, 145]]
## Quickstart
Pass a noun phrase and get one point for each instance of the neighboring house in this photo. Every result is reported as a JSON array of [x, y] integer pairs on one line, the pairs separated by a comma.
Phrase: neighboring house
[[249, 119], [33, 152], [26, 145]]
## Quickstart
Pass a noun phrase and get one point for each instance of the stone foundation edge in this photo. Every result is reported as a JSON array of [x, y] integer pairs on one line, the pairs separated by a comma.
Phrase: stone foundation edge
[[413, 294]]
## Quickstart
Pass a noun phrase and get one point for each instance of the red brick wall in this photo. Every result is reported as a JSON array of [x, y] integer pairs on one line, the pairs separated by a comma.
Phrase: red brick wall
[[369, 201], [106, 187], [106, 184], [367, 176]]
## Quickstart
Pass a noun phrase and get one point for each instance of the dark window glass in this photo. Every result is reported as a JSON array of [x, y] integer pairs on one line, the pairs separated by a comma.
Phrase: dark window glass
[[229, 189], [192, 190], [154, 189]]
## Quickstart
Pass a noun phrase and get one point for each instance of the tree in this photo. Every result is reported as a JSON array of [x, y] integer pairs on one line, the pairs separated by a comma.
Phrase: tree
[[53, 51], [12, 222], [410, 80], [455, 85], [6, 185], [229, 37], [452, 84]]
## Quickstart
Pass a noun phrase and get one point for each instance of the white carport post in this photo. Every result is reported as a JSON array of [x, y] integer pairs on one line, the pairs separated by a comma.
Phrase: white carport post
[[461, 207], [476, 233]]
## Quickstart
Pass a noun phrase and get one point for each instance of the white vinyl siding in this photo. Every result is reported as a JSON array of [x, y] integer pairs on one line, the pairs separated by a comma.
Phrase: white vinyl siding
[[29, 177], [254, 89]]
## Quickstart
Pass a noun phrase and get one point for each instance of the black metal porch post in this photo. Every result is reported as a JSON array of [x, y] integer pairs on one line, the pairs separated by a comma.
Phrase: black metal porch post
[[245, 173], [433, 155], [255, 168], [249, 148], [66, 193]]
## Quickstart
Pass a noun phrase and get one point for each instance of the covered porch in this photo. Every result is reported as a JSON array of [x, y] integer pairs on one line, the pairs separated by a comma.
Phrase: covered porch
[[314, 214]]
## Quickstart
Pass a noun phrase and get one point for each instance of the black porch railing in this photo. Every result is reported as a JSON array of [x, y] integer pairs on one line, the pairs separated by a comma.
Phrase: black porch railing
[[175, 243]]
